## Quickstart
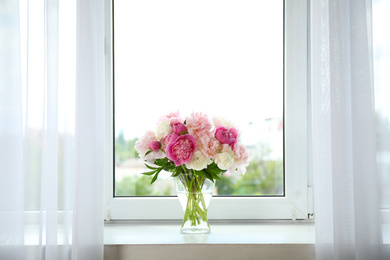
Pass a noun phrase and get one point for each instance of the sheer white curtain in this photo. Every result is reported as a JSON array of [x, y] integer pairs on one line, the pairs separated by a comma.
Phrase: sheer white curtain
[[347, 212], [51, 129]]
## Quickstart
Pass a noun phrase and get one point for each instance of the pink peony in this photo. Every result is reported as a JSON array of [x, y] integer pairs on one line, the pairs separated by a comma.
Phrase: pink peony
[[181, 149], [155, 146], [226, 136], [198, 124], [171, 118], [179, 128], [241, 159], [166, 140], [143, 145], [208, 145]]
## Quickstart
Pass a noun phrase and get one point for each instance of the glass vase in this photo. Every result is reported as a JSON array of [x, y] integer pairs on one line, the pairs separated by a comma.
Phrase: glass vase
[[194, 194]]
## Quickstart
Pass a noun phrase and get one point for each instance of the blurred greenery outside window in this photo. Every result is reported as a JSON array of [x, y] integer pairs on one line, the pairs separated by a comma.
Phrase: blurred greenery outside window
[[263, 177]]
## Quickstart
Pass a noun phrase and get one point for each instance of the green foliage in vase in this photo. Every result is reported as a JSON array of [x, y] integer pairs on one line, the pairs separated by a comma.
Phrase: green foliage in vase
[[211, 172]]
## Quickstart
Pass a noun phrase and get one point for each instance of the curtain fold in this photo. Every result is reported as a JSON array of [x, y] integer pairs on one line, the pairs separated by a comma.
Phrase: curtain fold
[[90, 125], [347, 212], [11, 135], [51, 129]]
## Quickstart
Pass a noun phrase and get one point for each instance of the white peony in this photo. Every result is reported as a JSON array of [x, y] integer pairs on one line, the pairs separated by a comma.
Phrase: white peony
[[163, 129], [198, 161], [225, 159]]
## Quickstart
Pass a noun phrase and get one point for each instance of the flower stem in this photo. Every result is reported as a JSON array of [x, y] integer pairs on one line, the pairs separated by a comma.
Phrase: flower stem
[[196, 207]]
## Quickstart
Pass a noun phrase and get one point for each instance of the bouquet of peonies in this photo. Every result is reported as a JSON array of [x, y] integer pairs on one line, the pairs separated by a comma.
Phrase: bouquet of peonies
[[192, 145], [192, 150]]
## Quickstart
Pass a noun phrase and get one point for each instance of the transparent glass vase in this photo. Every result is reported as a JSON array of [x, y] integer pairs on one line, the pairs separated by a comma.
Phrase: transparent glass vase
[[194, 194]]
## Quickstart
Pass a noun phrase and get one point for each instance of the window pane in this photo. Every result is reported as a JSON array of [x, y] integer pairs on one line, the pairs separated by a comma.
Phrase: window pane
[[223, 58]]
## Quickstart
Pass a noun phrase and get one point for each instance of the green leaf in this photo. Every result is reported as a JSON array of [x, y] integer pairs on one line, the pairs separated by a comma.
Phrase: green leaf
[[201, 173], [176, 172], [148, 152], [157, 171], [205, 173], [150, 167], [170, 167], [215, 176], [154, 178], [161, 162], [149, 173], [209, 176], [213, 168]]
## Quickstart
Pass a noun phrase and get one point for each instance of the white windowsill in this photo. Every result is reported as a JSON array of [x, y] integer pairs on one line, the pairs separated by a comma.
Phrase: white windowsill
[[227, 240], [234, 232]]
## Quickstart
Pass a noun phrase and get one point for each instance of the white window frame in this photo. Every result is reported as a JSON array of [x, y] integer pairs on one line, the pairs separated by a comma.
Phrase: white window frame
[[294, 205]]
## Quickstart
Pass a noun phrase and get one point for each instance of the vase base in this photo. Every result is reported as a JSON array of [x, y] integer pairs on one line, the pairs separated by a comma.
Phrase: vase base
[[195, 230]]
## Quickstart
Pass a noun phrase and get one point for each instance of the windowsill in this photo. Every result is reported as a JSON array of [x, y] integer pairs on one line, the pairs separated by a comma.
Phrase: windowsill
[[227, 240], [234, 232]]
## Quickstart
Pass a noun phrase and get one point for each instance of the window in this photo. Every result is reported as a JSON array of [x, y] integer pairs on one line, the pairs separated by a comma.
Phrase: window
[[222, 58], [291, 201]]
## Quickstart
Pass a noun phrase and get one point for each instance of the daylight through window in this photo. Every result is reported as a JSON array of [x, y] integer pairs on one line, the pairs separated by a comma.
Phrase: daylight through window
[[223, 58]]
